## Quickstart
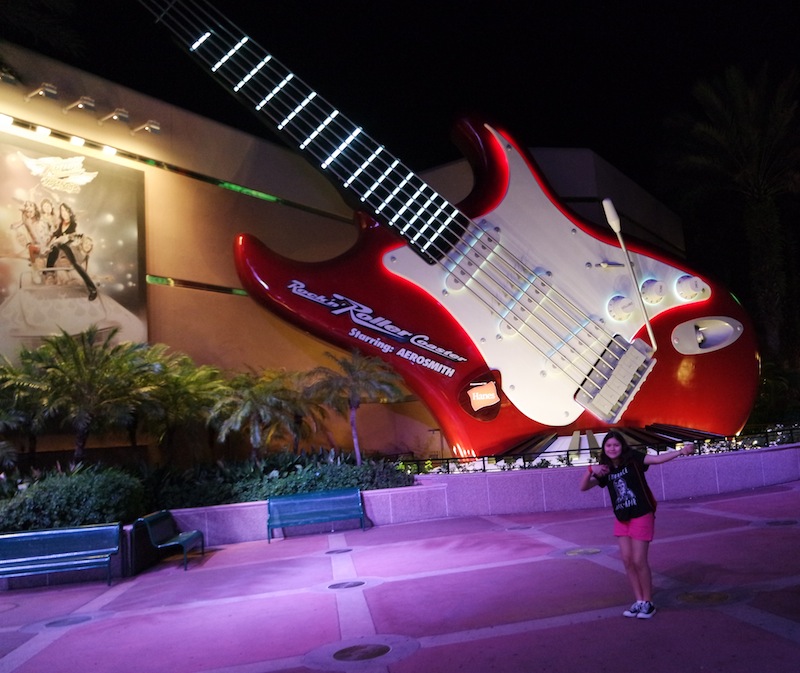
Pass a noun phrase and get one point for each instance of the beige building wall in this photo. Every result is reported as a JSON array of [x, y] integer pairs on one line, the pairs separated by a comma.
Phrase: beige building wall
[[190, 223]]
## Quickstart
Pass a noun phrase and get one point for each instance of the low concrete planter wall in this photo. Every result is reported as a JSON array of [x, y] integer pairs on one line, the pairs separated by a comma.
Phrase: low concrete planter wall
[[554, 489], [540, 490], [439, 496]]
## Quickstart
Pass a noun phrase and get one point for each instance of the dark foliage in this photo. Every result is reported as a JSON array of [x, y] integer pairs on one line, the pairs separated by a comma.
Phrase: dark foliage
[[84, 496], [100, 495]]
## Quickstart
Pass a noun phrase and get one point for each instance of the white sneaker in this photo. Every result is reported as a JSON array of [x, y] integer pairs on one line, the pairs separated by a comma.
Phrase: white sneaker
[[634, 609], [646, 610]]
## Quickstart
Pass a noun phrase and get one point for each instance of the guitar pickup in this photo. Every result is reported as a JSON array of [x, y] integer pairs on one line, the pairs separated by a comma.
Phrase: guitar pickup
[[615, 378]]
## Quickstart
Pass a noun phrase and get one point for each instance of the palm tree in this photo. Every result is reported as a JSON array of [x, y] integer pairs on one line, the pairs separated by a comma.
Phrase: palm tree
[[266, 406], [10, 419], [17, 409], [746, 141], [360, 379], [85, 381], [181, 392]]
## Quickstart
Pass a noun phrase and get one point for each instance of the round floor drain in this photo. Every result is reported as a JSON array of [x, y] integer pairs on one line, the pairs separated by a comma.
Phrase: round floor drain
[[362, 652], [338, 551], [346, 585], [69, 621], [584, 551], [704, 597]]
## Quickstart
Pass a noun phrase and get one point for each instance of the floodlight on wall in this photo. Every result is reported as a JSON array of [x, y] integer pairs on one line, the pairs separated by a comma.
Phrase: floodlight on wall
[[83, 103], [7, 75], [119, 114], [151, 126], [46, 90]]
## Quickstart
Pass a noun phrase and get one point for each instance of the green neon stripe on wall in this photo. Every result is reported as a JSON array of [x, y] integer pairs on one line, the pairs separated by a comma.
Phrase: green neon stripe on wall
[[193, 285]]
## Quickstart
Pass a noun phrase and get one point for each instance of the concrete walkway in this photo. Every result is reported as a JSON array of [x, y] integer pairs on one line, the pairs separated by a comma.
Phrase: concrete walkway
[[524, 592]]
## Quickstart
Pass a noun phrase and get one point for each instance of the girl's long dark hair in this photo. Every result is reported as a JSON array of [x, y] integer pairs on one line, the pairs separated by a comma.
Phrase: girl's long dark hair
[[72, 225], [624, 456]]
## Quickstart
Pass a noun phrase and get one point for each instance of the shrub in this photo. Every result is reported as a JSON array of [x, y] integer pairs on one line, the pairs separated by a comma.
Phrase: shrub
[[102, 495], [277, 474], [367, 476], [85, 496]]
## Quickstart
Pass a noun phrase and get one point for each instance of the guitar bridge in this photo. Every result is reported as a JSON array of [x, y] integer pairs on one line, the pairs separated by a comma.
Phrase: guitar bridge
[[615, 378]]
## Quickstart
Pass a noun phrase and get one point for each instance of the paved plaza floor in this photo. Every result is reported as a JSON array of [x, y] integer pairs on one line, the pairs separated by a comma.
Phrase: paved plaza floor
[[523, 592]]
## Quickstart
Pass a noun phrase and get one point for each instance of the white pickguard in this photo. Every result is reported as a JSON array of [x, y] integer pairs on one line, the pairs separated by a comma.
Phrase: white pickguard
[[546, 339]]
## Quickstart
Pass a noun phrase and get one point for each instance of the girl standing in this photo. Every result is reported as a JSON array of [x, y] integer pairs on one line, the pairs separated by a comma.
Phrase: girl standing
[[621, 470]]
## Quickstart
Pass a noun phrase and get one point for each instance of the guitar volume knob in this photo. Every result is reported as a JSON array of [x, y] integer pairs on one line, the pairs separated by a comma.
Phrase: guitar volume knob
[[653, 291], [620, 307], [689, 287]]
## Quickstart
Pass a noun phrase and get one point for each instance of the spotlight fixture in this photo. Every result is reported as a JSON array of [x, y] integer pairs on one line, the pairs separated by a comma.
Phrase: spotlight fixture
[[8, 75], [120, 114], [83, 103], [46, 90], [151, 126]]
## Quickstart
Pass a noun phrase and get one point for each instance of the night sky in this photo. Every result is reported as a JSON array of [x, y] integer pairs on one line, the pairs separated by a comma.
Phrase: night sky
[[602, 75]]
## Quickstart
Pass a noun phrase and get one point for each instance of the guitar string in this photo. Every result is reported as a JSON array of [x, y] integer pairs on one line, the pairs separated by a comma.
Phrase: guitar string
[[509, 260]]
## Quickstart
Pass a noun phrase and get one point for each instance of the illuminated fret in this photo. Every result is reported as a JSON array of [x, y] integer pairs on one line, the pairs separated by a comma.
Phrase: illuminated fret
[[235, 48], [394, 192], [378, 182], [441, 229], [253, 72], [319, 129], [363, 166], [417, 216], [297, 110], [405, 208], [431, 219], [341, 148], [275, 91], [200, 41]]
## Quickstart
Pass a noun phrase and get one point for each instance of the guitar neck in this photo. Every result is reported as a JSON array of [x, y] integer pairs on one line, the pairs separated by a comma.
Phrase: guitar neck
[[350, 158]]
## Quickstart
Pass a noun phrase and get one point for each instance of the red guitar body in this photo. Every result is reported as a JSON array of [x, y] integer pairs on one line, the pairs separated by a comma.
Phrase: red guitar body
[[404, 315]]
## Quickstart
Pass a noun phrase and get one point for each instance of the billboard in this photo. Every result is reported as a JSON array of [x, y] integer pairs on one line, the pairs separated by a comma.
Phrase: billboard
[[71, 245]]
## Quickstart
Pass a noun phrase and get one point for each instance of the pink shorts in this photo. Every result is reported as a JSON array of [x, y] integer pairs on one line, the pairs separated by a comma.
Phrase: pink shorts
[[640, 528]]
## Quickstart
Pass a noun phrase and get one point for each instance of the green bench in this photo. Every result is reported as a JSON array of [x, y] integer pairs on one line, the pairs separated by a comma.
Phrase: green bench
[[310, 508], [38, 552], [164, 533]]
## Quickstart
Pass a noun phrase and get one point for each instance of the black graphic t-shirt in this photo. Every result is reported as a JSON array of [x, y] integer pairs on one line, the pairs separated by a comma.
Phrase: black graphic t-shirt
[[630, 495]]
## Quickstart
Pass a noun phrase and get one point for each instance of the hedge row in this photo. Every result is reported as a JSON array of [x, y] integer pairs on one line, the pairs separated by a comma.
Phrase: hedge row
[[101, 494]]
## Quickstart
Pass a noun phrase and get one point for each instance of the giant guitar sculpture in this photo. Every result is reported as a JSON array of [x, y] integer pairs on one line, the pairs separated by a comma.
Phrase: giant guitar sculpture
[[507, 314]]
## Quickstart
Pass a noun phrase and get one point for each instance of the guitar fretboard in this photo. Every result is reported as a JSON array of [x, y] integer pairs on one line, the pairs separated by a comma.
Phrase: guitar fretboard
[[388, 190]]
